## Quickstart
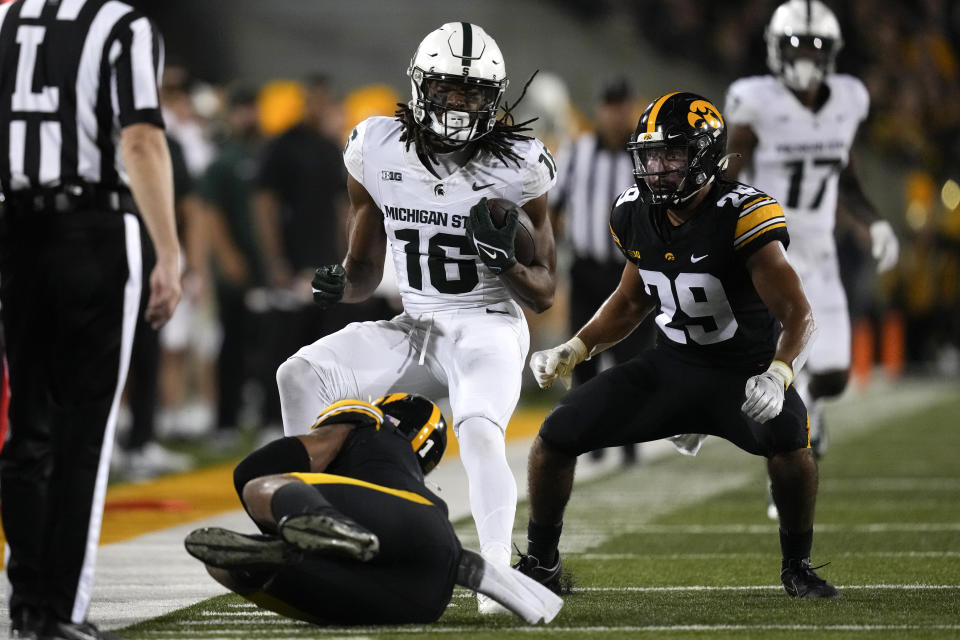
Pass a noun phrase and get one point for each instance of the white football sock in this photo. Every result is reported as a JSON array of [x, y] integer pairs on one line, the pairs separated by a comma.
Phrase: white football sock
[[493, 490]]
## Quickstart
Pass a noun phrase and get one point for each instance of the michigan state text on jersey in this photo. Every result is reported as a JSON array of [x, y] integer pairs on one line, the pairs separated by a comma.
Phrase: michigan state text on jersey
[[418, 187]]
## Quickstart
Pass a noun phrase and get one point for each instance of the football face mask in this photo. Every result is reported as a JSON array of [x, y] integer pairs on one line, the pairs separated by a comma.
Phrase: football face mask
[[662, 168], [805, 60], [455, 107]]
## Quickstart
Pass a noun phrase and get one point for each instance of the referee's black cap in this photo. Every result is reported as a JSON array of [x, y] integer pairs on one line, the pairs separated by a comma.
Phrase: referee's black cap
[[616, 90]]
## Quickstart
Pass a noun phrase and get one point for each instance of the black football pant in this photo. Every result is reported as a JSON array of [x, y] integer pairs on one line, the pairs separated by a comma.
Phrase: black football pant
[[410, 580], [70, 285], [656, 396]]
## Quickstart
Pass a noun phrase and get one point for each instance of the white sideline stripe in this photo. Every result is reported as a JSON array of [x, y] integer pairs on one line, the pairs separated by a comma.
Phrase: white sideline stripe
[[251, 613], [766, 529], [890, 484], [357, 633], [764, 587], [756, 587], [713, 556]]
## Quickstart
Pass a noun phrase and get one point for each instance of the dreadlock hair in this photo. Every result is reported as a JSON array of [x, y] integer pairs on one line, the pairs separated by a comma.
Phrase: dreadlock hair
[[498, 142]]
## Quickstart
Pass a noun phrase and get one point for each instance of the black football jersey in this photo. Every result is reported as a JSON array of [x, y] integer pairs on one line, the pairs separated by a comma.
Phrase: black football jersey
[[708, 311], [382, 456]]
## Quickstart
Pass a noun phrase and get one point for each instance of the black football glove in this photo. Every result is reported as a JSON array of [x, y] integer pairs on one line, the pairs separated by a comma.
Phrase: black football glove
[[328, 283], [495, 246]]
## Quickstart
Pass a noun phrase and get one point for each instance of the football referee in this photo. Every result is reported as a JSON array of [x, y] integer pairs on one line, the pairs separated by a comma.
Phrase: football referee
[[83, 162], [593, 171]]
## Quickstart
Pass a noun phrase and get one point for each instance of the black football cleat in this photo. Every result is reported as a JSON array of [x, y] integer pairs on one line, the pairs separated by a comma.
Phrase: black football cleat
[[59, 630], [801, 581], [329, 531], [228, 549], [550, 577]]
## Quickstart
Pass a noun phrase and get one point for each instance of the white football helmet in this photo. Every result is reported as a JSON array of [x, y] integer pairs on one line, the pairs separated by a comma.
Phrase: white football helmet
[[457, 79], [803, 39]]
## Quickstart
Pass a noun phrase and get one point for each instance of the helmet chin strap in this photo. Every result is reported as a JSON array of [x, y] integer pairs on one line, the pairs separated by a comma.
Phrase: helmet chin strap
[[689, 196]]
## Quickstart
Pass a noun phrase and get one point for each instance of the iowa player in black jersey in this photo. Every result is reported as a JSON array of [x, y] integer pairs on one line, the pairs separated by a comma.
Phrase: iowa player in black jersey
[[350, 533], [708, 257]]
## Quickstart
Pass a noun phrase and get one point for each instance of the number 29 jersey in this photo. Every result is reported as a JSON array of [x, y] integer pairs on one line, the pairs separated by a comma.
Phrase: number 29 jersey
[[799, 152], [424, 217], [708, 311]]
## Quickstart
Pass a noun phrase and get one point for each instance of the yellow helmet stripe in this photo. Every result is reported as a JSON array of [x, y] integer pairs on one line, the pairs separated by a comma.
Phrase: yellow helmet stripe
[[393, 397], [350, 406], [428, 428], [652, 120]]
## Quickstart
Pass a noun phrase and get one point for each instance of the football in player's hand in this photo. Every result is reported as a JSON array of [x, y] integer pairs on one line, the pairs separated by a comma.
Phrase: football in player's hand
[[523, 245]]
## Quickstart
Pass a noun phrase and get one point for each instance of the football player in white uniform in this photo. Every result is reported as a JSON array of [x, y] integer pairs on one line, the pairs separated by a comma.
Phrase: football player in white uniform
[[793, 131], [418, 185]]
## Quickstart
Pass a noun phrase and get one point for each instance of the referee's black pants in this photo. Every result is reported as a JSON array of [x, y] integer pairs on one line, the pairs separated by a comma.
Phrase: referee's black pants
[[591, 283], [70, 286]]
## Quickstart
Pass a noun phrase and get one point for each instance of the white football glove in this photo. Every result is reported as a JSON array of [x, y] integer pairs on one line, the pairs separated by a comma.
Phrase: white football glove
[[765, 392], [885, 246], [549, 365]]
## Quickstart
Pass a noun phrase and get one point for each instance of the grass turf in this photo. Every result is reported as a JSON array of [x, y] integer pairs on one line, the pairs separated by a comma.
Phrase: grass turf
[[682, 548]]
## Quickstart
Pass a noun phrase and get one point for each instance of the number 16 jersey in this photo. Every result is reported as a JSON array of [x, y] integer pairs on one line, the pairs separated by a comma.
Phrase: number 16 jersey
[[424, 216]]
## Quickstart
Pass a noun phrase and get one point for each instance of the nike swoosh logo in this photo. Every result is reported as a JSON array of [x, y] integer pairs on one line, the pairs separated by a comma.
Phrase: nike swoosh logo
[[477, 187], [506, 313], [492, 254], [695, 259]]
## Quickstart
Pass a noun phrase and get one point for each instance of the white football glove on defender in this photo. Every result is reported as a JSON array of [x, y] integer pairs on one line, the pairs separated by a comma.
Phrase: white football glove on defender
[[765, 392], [551, 364], [885, 246]]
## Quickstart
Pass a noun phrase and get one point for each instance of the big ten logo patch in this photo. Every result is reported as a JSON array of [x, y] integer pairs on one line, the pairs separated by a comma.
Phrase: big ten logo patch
[[391, 176]]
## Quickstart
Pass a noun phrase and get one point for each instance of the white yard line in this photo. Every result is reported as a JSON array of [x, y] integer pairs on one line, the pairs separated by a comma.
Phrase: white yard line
[[356, 633], [151, 575]]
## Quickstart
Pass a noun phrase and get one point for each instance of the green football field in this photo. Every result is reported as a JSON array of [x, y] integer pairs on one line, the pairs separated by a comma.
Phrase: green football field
[[681, 548]]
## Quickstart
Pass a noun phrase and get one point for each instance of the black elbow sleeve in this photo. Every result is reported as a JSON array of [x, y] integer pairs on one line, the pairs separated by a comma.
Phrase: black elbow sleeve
[[286, 455]]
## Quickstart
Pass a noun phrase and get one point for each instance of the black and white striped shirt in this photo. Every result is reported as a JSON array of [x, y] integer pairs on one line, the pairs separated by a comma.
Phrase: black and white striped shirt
[[589, 179], [72, 74]]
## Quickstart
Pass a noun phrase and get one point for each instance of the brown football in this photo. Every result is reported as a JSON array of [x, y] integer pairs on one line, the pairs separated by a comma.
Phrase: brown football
[[523, 245]]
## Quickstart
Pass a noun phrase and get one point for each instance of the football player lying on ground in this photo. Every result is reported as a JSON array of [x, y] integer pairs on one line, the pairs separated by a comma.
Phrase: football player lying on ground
[[707, 255], [350, 533]]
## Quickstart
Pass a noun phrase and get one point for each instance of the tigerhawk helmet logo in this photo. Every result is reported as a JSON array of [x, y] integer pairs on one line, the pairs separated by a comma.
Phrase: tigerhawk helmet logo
[[703, 115]]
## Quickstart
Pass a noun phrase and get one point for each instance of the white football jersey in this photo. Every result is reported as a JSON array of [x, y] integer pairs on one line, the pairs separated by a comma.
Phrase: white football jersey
[[437, 267], [799, 153]]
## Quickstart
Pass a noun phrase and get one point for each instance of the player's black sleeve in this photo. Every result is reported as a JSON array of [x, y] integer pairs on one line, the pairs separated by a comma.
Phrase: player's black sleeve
[[621, 228]]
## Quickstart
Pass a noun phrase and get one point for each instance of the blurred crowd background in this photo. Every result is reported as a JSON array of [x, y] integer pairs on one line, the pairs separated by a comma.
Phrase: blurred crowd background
[[259, 99]]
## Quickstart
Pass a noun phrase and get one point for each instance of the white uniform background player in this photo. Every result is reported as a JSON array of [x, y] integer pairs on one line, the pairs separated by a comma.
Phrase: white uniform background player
[[461, 332], [794, 131]]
